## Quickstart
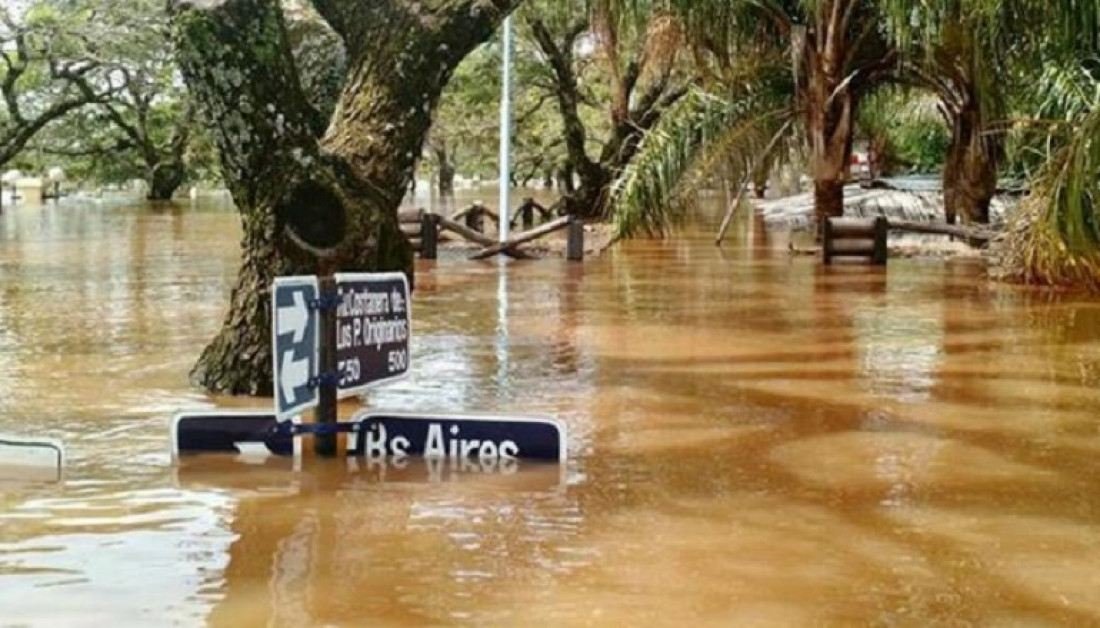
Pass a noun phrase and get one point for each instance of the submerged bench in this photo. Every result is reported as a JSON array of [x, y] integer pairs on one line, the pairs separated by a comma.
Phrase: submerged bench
[[855, 237]]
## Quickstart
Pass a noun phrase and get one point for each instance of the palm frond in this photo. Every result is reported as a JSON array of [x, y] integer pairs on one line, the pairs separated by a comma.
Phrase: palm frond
[[654, 190], [1054, 238]]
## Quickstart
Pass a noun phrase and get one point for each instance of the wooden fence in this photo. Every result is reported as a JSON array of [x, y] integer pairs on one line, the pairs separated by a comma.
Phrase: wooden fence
[[423, 229]]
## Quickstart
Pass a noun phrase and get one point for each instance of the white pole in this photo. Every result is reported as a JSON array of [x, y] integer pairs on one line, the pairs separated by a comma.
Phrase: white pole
[[505, 129]]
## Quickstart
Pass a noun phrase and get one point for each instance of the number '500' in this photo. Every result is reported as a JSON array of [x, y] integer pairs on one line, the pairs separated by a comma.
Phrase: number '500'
[[398, 360]]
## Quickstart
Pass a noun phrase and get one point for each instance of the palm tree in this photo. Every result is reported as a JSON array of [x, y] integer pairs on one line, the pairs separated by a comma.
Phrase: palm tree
[[743, 117], [962, 50], [1054, 237], [962, 65], [837, 54]]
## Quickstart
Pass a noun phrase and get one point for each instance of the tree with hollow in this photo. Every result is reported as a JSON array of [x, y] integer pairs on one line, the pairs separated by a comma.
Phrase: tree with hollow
[[316, 193]]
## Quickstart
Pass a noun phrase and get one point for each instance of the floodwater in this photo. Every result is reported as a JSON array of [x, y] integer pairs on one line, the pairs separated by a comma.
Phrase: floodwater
[[753, 441]]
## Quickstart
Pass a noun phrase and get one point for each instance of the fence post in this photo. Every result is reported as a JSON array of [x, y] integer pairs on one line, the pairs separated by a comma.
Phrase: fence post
[[475, 218], [880, 254], [429, 235], [528, 213], [574, 245]]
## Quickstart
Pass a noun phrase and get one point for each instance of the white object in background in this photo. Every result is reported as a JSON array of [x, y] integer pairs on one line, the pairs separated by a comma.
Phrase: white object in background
[[36, 459]]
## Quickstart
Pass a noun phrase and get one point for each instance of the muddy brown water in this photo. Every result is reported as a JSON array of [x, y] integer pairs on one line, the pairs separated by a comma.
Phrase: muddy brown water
[[753, 441]]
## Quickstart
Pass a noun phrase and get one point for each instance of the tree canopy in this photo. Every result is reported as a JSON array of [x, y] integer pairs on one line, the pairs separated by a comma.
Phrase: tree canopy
[[627, 104]]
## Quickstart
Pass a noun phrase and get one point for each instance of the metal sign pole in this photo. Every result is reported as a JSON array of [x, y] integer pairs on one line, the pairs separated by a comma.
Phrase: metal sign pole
[[505, 130]]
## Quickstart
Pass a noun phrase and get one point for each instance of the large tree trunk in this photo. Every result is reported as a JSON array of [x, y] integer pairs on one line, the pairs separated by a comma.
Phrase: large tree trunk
[[315, 198], [565, 178], [445, 165], [970, 170], [164, 179], [829, 112], [587, 200], [837, 56]]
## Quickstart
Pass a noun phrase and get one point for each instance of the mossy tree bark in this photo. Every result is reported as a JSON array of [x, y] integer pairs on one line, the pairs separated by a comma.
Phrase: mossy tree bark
[[315, 195]]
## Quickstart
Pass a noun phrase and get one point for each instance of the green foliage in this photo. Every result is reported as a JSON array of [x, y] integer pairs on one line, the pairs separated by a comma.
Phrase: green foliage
[[49, 66], [700, 131], [1054, 238], [139, 118], [921, 145], [466, 129], [904, 129]]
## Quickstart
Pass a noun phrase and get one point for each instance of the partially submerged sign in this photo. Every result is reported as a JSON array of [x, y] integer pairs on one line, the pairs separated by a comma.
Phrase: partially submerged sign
[[373, 322], [295, 339], [367, 325], [33, 459], [377, 434], [459, 436], [248, 433]]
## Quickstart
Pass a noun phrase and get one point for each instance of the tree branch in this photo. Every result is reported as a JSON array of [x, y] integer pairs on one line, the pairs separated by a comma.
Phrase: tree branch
[[364, 24], [560, 59]]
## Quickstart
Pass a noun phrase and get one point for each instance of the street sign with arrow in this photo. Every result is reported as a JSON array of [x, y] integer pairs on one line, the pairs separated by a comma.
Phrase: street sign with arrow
[[364, 320], [252, 433], [295, 341], [373, 325]]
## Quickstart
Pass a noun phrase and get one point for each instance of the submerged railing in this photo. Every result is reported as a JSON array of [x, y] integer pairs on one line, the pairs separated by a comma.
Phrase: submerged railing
[[423, 229]]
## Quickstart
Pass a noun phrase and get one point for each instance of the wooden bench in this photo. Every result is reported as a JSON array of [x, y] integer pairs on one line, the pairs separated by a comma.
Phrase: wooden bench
[[855, 237]]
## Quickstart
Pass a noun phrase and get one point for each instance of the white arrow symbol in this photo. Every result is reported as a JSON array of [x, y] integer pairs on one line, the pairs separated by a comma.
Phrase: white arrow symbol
[[293, 374], [294, 318], [251, 451]]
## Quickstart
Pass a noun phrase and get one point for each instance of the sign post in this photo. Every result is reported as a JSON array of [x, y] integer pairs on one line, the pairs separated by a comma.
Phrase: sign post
[[337, 337], [324, 444], [295, 340], [373, 324]]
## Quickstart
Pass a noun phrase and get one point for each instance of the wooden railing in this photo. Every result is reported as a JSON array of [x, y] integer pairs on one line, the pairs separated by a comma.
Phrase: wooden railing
[[423, 229]]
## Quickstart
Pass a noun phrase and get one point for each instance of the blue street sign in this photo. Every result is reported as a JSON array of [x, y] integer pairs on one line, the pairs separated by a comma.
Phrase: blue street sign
[[256, 433], [295, 341], [486, 439], [459, 436], [373, 325]]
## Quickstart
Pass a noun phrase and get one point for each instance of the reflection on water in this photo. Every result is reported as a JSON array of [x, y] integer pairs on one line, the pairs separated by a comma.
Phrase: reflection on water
[[754, 440]]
